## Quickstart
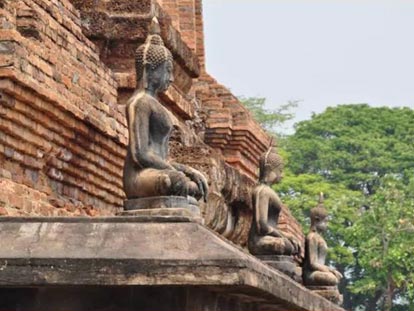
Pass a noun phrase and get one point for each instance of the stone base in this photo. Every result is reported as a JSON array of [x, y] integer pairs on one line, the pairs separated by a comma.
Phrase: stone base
[[163, 206], [328, 292], [164, 214], [285, 264], [162, 202]]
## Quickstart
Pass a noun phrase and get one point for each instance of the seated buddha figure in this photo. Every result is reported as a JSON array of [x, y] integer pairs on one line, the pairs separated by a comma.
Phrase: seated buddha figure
[[316, 273], [147, 171], [264, 236]]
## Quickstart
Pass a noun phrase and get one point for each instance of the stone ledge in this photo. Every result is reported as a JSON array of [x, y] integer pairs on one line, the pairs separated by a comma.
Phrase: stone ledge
[[95, 220], [110, 251]]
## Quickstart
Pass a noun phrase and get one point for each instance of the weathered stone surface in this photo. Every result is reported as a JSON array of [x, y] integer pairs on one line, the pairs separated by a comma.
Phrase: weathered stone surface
[[119, 251], [184, 213], [161, 298], [330, 293]]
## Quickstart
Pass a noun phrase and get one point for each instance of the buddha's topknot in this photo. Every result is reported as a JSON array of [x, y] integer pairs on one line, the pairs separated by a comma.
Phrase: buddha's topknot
[[270, 160], [152, 52], [319, 212]]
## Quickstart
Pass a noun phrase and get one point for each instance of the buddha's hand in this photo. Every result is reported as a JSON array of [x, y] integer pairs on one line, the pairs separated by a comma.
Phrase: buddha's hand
[[200, 180], [336, 273], [272, 232], [295, 243], [196, 177]]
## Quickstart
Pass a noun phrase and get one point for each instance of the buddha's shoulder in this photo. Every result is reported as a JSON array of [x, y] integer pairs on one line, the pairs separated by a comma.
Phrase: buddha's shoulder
[[140, 99], [262, 188], [313, 236]]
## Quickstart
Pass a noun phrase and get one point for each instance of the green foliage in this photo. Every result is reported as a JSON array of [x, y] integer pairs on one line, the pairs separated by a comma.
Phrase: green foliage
[[270, 120], [354, 144], [383, 237], [362, 159]]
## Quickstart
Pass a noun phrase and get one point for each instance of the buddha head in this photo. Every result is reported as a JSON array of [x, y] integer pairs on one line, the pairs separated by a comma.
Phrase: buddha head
[[271, 167], [319, 216], [154, 62]]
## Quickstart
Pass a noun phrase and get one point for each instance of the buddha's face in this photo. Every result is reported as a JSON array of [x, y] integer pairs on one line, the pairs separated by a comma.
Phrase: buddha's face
[[275, 175], [322, 224], [161, 77]]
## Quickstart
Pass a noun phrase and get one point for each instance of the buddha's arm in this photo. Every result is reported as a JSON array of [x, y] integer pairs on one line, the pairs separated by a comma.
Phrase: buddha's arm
[[278, 203], [261, 213], [312, 245], [142, 155]]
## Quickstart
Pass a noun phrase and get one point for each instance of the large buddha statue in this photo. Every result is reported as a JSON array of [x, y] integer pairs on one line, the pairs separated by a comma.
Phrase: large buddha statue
[[316, 274], [147, 171], [266, 241]]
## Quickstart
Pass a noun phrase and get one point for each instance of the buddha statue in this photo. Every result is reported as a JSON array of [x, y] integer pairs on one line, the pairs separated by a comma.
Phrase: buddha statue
[[147, 171], [316, 275], [264, 236]]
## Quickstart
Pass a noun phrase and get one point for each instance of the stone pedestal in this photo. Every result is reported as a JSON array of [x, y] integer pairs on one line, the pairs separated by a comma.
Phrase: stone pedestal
[[285, 264], [162, 202], [329, 292], [163, 206]]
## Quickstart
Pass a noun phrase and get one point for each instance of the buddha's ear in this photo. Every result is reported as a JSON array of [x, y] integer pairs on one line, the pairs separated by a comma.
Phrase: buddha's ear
[[147, 69]]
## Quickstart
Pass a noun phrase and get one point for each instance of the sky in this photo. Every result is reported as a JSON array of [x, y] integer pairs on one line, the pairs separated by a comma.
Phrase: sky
[[322, 52]]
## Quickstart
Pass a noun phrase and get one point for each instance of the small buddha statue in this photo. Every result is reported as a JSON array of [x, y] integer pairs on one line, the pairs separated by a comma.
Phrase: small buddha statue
[[264, 237], [316, 275], [147, 171]]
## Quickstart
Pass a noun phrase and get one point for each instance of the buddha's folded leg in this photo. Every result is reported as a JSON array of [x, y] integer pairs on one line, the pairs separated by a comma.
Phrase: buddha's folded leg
[[152, 182], [319, 278], [268, 245]]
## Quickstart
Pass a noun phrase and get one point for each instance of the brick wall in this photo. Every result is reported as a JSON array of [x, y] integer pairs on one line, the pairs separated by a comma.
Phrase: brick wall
[[62, 133], [187, 18]]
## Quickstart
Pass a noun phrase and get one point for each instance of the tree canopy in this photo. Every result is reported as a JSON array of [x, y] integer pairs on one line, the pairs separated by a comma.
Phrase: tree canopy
[[362, 158], [354, 145]]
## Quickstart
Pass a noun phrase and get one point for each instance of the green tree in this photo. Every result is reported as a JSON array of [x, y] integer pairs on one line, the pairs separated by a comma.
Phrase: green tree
[[354, 144], [383, 238], [271, 120], [349, 152]]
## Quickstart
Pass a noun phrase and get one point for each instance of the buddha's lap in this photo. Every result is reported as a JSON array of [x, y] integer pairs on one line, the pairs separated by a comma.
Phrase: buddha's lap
[[150, 181], [322, 278]]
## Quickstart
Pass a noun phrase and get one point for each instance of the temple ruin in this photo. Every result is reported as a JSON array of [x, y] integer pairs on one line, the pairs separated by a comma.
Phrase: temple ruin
[[67, 69]]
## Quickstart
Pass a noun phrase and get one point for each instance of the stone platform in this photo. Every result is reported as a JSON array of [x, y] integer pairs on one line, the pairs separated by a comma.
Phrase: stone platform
[[329, 292], [141, 263], [285, 264]]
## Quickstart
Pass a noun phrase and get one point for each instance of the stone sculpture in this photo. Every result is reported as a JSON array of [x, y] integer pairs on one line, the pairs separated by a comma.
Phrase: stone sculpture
[[265, 240], [316, 275], [149, 179]]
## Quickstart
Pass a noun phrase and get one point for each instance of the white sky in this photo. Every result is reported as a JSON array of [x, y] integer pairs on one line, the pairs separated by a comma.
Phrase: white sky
[[324, 52]]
